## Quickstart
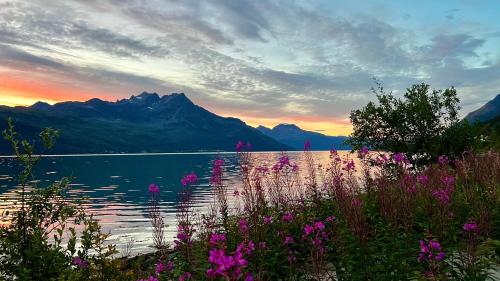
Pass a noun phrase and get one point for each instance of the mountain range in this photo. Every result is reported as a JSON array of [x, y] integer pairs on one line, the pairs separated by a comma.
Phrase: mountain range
[[295, 137], [487, 112], [142, 123], [169, 123]]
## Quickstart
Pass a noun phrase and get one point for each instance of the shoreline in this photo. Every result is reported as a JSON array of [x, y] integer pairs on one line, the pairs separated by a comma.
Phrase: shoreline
[[164, 153]]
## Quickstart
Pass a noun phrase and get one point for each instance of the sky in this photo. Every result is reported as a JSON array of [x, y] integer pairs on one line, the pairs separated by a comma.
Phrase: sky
[[266, 62]]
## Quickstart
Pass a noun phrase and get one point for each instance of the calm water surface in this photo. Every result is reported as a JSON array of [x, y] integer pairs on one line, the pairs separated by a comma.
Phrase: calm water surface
[[117, 186]]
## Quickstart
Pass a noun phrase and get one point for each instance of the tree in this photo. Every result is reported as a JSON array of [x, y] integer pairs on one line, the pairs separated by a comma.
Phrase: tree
[[422, 124]]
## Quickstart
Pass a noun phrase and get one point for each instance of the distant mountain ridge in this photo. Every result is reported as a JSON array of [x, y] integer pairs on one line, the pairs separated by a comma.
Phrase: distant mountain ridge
[[295, 137], [142, 123], [487, 112]]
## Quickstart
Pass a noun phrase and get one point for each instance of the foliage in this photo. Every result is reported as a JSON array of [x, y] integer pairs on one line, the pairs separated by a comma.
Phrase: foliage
[[393, 223], [423, 124], [44, 220]]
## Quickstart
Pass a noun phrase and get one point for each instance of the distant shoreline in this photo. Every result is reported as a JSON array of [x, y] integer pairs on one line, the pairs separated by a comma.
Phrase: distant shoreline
[[161, 153]]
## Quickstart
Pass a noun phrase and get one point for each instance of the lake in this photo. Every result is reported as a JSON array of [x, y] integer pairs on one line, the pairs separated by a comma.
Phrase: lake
[[117, 185]]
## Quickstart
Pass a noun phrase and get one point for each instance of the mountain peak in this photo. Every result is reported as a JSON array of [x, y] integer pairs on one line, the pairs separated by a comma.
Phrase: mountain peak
[[40, 105], [287, 127], [145, 97], [293, 136]]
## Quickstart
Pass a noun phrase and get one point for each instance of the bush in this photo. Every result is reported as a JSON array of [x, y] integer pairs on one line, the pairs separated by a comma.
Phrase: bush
[[44, 219]]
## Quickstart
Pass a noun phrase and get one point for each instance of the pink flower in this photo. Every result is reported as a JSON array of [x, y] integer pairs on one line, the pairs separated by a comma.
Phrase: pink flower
[[398, 157], [160, 267], [443, 160], [319, 225], [363, 151], [170, 266], [216, 178], [288, 240], [81, 263], [287, 217], [443, 195], [308, 229], [423, 179], [268, 220], [153, 188], [330, 218], [430, 251], [470, 227], [189, 179], [215, 239], [350, 166], [243, 225], [448, 180]]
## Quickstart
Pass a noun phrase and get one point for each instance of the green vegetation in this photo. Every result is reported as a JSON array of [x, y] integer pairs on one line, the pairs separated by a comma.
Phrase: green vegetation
[[423, 124]]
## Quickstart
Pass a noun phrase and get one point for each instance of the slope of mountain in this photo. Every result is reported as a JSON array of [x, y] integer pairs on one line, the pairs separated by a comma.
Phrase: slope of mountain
[[295, 137], [143, 123], [487, 112]]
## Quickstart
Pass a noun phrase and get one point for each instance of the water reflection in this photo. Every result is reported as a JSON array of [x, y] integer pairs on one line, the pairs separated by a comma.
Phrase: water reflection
[[116, 186]]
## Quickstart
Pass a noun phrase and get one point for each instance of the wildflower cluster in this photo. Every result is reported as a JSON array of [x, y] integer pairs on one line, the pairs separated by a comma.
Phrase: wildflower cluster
[[229, 266]]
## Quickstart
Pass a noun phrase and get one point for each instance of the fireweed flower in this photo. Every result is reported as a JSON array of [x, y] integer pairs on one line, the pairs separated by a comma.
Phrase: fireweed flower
[[448, 180], [423, 179], [288, 240], [330, 219], [287, 217], [284, 161], [319, 225], [160, 267], [268, 220], [398, 158], [308, 229], [470, 227], [443, 195], [443, 160], [216, 178], [229, 266], [189, 179], [81, 263], [363, 152], [153, 188], [430, 251], [243, 225], [349, 165], [216, 239]]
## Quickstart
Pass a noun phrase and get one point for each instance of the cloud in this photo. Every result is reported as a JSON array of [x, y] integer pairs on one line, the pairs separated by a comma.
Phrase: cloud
[[34, 26], [455, 45], [257, 58]]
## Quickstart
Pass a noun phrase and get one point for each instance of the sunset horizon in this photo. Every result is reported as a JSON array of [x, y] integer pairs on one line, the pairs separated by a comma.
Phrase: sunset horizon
[[248, 60]]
